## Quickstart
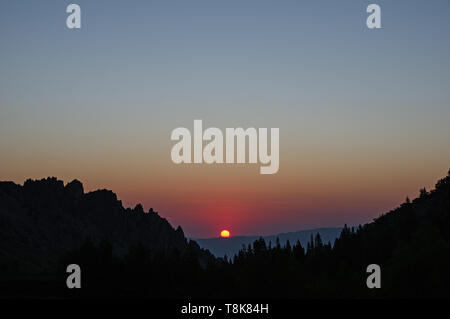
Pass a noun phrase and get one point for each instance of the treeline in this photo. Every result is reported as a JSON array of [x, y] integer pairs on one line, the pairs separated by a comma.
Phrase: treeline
[[411, 244]]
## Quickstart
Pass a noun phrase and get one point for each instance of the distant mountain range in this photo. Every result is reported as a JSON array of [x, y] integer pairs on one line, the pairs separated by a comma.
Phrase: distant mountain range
[[231, 246]]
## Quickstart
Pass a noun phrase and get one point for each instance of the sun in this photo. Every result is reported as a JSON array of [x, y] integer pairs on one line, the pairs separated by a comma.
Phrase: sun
[[224, 233]]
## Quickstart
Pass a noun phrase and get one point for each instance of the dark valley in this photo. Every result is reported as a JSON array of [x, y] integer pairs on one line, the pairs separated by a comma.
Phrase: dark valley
[[46, 225]]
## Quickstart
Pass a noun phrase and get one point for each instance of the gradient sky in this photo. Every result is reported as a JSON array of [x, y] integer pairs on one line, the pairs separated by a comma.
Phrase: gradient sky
[[363, 114]]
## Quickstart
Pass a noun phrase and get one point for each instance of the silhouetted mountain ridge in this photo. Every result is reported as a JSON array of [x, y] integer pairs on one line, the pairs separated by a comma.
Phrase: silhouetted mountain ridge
[[42, 219]]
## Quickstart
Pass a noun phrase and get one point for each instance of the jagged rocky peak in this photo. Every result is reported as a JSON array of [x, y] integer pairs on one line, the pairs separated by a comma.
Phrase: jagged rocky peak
[[42, 194], [45, 186], [138, 208], [102, 195], [180, 230], [10, 189], [74, 189]]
